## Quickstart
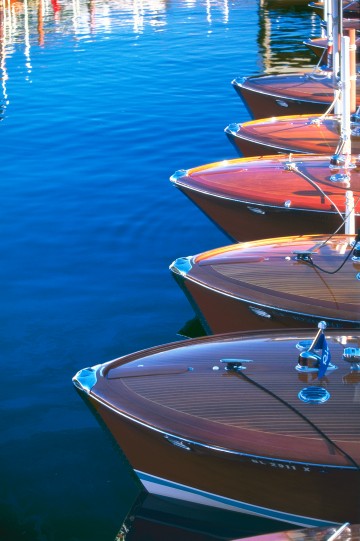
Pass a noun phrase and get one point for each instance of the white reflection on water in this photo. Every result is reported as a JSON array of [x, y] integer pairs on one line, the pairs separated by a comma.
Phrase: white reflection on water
[[25, 24]]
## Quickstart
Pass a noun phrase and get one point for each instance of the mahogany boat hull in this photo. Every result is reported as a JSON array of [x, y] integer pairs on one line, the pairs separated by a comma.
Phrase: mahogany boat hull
[[254, 485], [265, 285], [299, 134], [294, 94], [243, 220], [175, 428], [255, 198]]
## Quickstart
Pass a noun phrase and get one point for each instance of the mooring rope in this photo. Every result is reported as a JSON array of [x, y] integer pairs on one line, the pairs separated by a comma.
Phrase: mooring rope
[[293, 167], [306, 419]]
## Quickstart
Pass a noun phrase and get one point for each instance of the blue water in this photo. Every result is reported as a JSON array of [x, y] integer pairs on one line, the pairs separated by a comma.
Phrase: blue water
[[101, 103]]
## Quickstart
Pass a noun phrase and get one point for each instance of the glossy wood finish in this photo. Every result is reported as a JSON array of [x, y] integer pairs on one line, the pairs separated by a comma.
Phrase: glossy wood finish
[[262, 284], [244, 435], [292, 94], [300, 133], [254, 198]]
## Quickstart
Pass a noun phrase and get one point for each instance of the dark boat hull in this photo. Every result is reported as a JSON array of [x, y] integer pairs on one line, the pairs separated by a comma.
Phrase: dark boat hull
[[220, 312], [195, 430], [271, 196], [255, 485], [308, 134], [244, 220], [279, 95], [266, 285]]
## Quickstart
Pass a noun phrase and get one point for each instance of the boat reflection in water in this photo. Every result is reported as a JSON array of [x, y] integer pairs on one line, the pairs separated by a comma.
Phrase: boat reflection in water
[[282, 29], [158, 517], [155, 518], [263, 423]]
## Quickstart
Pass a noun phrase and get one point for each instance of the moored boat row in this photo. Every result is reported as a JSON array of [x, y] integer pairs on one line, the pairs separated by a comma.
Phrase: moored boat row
[[262, 415]]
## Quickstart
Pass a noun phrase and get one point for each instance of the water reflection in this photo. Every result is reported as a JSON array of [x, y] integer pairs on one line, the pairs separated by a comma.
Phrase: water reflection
[[29, 23], [34, 22], [280, 36], [153, 518], [87, 237], [30, 20]]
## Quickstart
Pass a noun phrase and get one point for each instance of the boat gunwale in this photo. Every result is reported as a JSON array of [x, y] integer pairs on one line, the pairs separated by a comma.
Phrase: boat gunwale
[[250, 456], [270, 307], [303, 98], [179, 185]]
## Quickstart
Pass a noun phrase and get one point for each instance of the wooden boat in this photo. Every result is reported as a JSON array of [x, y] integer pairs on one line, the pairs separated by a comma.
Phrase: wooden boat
[[297, 133], [272, 95], [254, 198], [243, 421], [288, 94], [285, 282], [302, 133], [345, 532]]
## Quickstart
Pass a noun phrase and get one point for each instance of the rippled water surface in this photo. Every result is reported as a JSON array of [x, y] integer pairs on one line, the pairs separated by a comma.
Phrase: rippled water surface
[[101, 101]]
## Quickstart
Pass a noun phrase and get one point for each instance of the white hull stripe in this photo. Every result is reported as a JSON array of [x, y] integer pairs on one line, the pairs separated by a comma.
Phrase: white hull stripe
[[164, 487]]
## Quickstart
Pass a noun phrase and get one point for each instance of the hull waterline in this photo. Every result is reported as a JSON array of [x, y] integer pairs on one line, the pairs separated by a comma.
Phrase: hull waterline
[[278, 283], [253, 452], [292, 94]]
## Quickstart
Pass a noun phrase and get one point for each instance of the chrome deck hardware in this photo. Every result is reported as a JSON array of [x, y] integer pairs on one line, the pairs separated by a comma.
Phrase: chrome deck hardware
[[235, 364], [311, 354], [314, 395], [352, 356]]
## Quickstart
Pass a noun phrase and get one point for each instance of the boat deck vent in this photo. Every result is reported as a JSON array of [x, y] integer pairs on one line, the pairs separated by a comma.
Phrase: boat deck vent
[[314, 395]]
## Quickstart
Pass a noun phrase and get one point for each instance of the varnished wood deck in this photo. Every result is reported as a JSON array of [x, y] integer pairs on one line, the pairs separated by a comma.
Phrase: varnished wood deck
[[304, 133], [240, 438], [278, 279], [272, 196], [292, 94], [269, 181], [256, 411]]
